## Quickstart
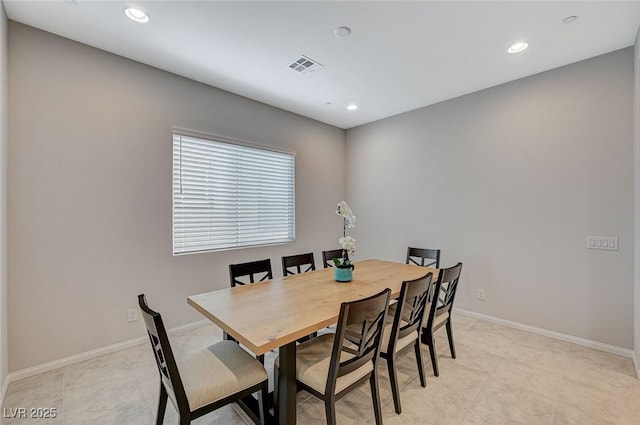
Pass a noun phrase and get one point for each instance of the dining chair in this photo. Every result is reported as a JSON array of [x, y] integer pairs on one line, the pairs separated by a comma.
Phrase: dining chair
[[302, 263], [332, 365], [404, 330], [328, 256], [442, 297], [255, 270], [423, 257], [203, 380], [252, 271]]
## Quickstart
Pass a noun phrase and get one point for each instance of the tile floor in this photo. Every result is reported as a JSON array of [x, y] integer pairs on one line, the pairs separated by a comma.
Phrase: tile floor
[[502, 376]]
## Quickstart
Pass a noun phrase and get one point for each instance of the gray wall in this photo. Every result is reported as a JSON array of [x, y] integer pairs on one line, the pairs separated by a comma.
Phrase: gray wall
[[636, 179], [90, 192], [510, 180], [4, 137]]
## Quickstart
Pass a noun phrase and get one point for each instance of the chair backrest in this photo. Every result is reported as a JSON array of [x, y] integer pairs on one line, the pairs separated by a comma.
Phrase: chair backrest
[[359, 333], [444, 292], [328, 256], [303, 263], [423, 257], [260, 270], [165, 361], [410, 309]]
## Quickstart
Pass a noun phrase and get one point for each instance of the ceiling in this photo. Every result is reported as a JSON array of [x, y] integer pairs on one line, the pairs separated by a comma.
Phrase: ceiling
[[400, 55]]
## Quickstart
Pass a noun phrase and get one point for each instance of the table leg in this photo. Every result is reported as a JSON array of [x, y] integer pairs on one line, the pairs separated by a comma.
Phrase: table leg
[[287, 385]]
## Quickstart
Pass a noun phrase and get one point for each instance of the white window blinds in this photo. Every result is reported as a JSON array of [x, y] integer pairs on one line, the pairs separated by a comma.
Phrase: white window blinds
[[229, 195]]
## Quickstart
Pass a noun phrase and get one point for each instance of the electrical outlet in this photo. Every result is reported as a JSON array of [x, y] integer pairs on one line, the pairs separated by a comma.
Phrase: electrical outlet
[[608, 243], [481, 294], [132, 315]]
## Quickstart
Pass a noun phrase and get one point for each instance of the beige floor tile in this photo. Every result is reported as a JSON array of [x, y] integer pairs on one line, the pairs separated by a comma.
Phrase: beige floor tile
[[355, 408], [457, 378], [113, 401], [617, 407], [495, 329], [481, 416], [430, 406], [572, 415], [583, 358], [513, 403], [495, 344], [501, 376], [537, 357], [529, 377], [460, 322], [471, 357], [544, 343], [35, 391], [29, 400], [605, 380]]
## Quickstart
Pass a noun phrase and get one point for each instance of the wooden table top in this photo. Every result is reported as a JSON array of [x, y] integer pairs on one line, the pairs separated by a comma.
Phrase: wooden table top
[[266, 315]]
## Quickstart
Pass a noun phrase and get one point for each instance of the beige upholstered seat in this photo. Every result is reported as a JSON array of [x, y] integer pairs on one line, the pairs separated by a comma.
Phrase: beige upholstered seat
[[312, 364], [202, 381], [402, 342], [438, 320], [225, 363], [332, 365], [402, 330]]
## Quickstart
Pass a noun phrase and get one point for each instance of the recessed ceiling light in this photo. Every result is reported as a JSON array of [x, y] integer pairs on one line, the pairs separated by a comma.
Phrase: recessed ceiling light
[[136, 14], [352, 107], [569, 19], [342, 32], [518, 47]]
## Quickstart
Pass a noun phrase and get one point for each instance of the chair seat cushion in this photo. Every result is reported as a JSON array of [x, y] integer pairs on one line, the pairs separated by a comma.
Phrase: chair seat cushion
[[402, 342], [437, 320], [312, 364], [218, 371]]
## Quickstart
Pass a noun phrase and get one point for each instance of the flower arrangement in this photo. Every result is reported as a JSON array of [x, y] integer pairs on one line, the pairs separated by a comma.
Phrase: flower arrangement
[[347, 243]]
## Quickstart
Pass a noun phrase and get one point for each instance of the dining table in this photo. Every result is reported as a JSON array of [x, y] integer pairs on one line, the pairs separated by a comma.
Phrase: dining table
[[275, 313]]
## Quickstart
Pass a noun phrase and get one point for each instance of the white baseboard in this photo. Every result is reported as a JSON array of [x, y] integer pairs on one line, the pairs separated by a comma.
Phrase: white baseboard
[[636, 364], [624, 352], [88, 355]]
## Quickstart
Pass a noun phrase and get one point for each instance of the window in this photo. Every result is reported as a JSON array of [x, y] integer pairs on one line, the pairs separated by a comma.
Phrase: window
[[229, 195]]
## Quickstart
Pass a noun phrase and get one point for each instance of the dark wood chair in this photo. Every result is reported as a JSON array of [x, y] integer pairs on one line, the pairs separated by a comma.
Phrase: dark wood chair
[[253, 271], [301, 263], [442, 297], [331, 366], [246, 274], [404, 330], [204, 380], [423, 257], [328, 256]]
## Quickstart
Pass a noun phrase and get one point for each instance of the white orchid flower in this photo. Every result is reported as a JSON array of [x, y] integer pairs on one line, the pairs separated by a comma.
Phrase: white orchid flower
[[345, 212], [343, 209], [348, 243]]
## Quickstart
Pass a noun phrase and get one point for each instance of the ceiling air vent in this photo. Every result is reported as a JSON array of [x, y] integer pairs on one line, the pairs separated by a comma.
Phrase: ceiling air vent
[[305, 65]]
